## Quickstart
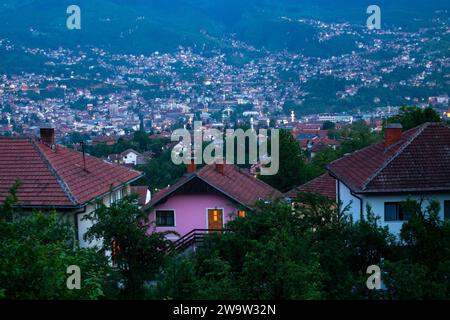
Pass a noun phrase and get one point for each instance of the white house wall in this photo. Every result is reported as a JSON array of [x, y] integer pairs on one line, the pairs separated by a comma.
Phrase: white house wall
[[84, 225], [347, 199], [131, 158], [377, 204]]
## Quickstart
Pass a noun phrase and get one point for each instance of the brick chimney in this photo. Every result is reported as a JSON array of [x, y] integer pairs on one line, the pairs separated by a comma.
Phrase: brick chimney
[[191, 167], [392, 133], [220, 168], [47, 133]]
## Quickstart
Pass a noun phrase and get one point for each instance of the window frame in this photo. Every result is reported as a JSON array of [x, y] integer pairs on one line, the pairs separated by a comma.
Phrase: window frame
[[165, 225], [242, 213], [400, 214], [117, 195], [446, 210]]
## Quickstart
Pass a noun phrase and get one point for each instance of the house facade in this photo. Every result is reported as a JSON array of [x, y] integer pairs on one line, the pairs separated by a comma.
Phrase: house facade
[[54, 177], [130, 157], [207, 199], [413, 164]]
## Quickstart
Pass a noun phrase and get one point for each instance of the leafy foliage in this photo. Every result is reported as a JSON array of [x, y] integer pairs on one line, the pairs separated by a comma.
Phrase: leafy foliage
[[125, 230], [422, 272], [35, 251], [313, 252], [411, 116], [140, 142], [292, 171], [161, 172]]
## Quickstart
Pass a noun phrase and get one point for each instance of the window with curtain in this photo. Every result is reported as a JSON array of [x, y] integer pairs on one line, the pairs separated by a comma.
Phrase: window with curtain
[[165, 218], [392, 211]]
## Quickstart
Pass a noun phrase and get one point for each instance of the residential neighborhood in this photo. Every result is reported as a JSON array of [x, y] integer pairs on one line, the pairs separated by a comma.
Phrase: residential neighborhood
[[53, 177], [207, 199], [411, 164], [224, 159]]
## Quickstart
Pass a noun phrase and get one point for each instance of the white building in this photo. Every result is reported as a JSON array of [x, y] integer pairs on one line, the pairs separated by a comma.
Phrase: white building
[[335, 118], [54, 177], [414, 164], [131, 156]]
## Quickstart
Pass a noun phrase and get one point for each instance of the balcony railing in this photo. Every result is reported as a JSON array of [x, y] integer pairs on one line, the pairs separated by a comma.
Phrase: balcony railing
[[194, 237]]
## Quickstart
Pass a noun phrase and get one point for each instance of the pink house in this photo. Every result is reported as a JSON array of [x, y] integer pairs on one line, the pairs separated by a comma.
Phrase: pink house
[[207, 199]]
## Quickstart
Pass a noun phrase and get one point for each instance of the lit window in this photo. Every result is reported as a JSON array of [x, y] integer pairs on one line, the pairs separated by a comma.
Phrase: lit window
[[215, 215], [242, 213], [115, 250]]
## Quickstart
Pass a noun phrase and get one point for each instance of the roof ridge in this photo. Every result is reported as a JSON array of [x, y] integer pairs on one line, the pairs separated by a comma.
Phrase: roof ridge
[[223, 191], [307, 182], [65, 188], [88, 155], [246, 174], [397, 153], [349, 154], [261, 182], [131, 149]]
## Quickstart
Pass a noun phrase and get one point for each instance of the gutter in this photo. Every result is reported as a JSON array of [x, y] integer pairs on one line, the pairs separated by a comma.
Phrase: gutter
[[361, 202], [76, 222], [78, 206], [361, 211]]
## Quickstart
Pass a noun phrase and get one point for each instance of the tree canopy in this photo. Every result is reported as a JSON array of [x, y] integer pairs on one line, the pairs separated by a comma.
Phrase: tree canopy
[[412, 116], [35, 251]]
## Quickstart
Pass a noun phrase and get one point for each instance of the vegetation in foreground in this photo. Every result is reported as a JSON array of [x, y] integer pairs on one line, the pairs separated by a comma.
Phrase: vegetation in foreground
[[313, 251]]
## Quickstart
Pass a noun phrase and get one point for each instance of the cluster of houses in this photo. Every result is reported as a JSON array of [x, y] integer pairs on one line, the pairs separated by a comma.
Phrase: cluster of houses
[[313, 138], [414, 163], [131, 157]]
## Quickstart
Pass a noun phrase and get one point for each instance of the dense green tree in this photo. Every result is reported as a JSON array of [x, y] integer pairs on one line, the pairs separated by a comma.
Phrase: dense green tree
[[423, 269], [328, 125], [161, 172], [357, 136], [292, 171], [412, 116], [140, 142], [35, 251], [322, 158], [313, 251], [126, 232]]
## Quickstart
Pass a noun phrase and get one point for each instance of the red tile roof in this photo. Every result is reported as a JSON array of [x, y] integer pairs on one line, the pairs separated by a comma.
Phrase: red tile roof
[[324, 185], [141, 192], [234, 183], [419, 161], [56, 177]]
